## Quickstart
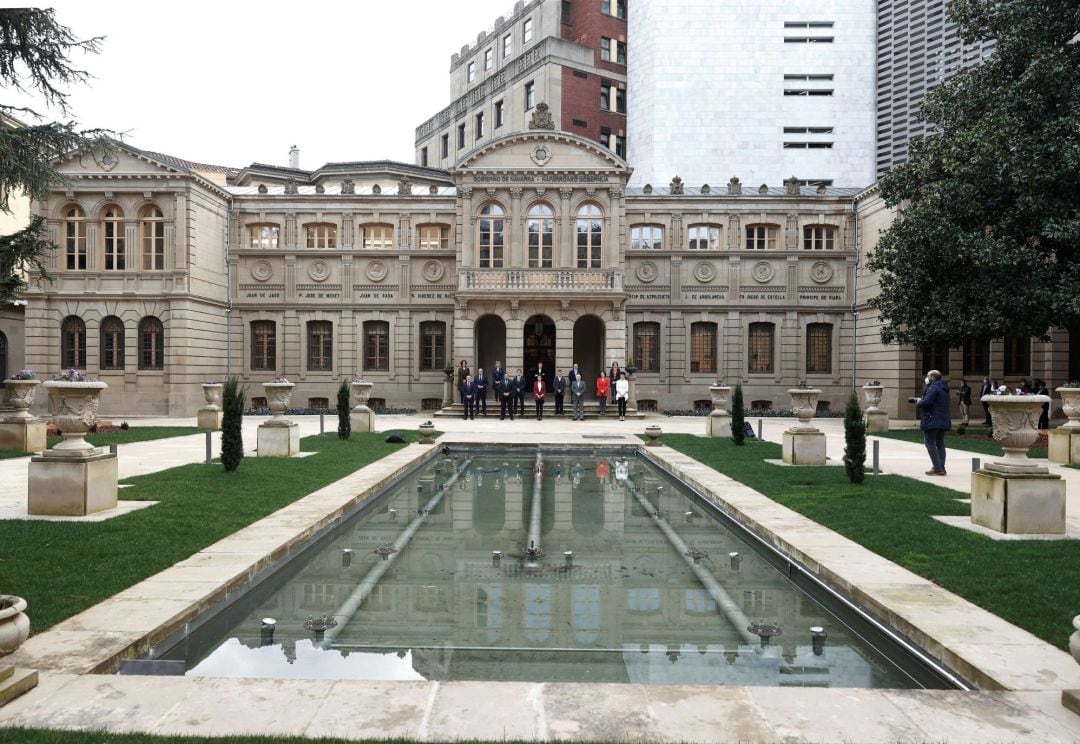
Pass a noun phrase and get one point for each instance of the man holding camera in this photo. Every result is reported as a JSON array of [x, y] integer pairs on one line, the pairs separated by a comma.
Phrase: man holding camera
[[936, 420]]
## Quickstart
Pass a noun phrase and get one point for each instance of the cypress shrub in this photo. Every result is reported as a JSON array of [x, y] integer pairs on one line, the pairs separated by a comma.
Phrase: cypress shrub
[[344, 424], [232, 420], [854, 440], [738, 417]]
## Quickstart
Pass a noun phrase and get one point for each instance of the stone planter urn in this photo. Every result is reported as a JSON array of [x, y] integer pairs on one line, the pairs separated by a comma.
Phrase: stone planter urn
[[804, 405], [876, 419], [1016, 423], [653, 432], [872, 394], [20, 396], [1064, 441], [1071, 698], [717, 424], [14, 624], [1070, 406], [803, 443], [74, 407], [426, 429], [362, 418], [1074, 640], [212, 393], [277, 399]]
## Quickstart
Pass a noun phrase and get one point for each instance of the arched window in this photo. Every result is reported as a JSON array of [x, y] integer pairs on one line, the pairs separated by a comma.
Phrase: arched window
[[704, 238], [819, 348], [646, 237], [647, 346], [590, 236], [321, 235], [73, 343], [75, 238], [152, 227], [703, 347], [320, 335], [541, 226], [378, 237], [818, 237], [376, 346], [151, 343], [492, 224], [111, 342], [3, 358], [761, 347], [432, 345], [264, 237], [433, 237], [762, 237], [112, 236], [263, 345]]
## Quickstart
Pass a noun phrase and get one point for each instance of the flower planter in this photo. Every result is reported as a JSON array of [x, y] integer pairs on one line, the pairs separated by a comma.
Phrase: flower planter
[[1070, 406], [212, 393], [20, 396], [872, 394], [1074, 640], [14, 624], [804, 405], [361, 417], [1016, 422], [803, 443], [1064, 441], [717, 422], [74, 407], [277, 399], [653, 432], [426, 429]]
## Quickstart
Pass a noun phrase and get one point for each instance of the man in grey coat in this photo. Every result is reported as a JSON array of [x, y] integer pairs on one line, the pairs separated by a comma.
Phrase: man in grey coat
[[577, 394], [936, 419]]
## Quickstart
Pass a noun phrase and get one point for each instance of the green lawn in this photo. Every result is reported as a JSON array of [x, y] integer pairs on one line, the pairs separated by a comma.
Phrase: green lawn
[[985, 445], [134, 434], [1023, 582], [62, 568]]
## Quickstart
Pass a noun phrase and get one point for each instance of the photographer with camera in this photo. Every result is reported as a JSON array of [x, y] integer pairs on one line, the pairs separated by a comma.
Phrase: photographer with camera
[[935, 419]]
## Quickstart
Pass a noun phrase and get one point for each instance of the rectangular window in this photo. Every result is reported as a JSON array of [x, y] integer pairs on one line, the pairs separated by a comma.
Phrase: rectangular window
[[808, 24], [620, 100], [809, 76], [647, 346], [808, 130], [432, 346], [461, 136], [976, 357], [526, 30], [480, 125], [704, 238], [605, 48], [808, 40], [936, 357], [471, 72], [320, 345], [620, 52], [761, 237], [819, 348], [1017, 356], [605, 96], [489, 59], [808, 145], [378, 237], [113, 235], [499, 114], [376, 346], [620, 146], [615, 8], [423, 157], [808, 91], [445, 146], [264, 237], [703, 347], [761, 348], [153, 245], [530, 95], [646, 237], [434, 237], [567, 12], [263, 345], [321, 235], [818, 237], [76, 245], [508, 45]]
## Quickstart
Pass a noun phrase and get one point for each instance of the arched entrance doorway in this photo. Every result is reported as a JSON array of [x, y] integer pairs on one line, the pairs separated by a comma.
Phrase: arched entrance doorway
[[539, 345], [490, 343], [589, 346]]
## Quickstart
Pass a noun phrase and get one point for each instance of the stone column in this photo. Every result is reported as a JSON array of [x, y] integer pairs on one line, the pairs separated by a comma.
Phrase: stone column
[[567, 248]]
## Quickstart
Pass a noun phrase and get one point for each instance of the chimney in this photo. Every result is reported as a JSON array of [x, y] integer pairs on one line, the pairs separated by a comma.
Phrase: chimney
[[294, 157]]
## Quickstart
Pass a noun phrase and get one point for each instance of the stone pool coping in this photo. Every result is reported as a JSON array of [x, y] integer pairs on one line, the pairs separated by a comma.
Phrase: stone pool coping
[[978, 645]]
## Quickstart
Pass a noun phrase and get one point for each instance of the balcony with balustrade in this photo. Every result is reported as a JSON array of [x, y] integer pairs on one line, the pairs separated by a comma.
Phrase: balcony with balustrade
[[543, 282]]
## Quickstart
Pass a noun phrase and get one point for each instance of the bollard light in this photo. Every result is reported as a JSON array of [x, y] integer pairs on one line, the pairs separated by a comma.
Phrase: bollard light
[[322, 422], [209, 447], [976, 463], [393, 514], [817, 639], [266, 630], [496, 557], [877, 457], [734, 558], [568, 556], [346, 557]]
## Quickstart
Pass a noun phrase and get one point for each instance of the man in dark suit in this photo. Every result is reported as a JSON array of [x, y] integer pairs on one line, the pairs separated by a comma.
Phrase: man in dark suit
[[519, 392], [481, 390], [505, 391], [573, 374], [558, 386], [468, 397], [497, 375], [987, 389]]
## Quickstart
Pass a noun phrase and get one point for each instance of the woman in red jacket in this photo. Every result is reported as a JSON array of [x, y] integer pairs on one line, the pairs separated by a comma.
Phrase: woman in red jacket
[[539, 390], [603, 388]]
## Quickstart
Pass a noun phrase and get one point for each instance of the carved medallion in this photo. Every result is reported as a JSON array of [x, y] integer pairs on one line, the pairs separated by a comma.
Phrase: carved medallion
[[319, 270], [821, 272], [647, 272], [262, 270], [705, 272], [762, 272], [376, 271], [541, 155], [433, 271]]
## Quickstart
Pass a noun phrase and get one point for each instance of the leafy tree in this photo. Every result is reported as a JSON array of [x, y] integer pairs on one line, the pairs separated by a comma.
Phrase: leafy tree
[[232, 421], [344, 424], [854, 440], [34, 60], [738, 417], [989, 239]]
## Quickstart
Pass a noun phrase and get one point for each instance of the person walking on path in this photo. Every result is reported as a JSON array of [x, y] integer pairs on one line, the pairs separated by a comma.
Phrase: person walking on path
[[577, 397], [603, 387], [936, 420], [622, 393], [963, 393]]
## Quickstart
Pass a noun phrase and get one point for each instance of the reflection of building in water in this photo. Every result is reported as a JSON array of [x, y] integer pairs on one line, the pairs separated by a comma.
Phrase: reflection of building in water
[[628, 610]]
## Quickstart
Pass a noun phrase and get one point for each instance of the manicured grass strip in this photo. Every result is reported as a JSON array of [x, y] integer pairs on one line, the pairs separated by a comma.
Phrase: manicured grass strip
[[62, 568], [134, 434], [985, 446], [1029, 583]]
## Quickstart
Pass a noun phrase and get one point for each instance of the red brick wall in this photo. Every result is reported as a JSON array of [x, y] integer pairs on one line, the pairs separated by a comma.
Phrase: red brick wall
[[581, 100], [589, 25]]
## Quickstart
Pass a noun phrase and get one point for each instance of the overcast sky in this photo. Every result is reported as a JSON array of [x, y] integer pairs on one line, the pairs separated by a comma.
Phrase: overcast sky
[[232, 83]]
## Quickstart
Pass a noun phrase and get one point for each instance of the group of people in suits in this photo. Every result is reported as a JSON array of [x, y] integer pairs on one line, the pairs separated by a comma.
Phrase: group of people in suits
[[510, 390]]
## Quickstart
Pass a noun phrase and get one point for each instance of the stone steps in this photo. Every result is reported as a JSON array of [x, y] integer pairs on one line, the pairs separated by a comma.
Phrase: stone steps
[[14, 682], [592, 411]]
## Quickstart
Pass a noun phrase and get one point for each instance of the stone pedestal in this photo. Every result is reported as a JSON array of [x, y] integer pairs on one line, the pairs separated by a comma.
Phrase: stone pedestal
[[1064, 446], [1071, 700], [73, 485], [1007, 499], [23, 435], [718, 424], [877, 422], [208, 419], [278, 440], [362, 418], [804, 447]]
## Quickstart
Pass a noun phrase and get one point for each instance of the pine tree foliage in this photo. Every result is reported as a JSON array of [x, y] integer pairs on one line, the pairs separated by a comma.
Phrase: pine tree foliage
[[854, 440], [738, 417], [344, 424], [232, 421]]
